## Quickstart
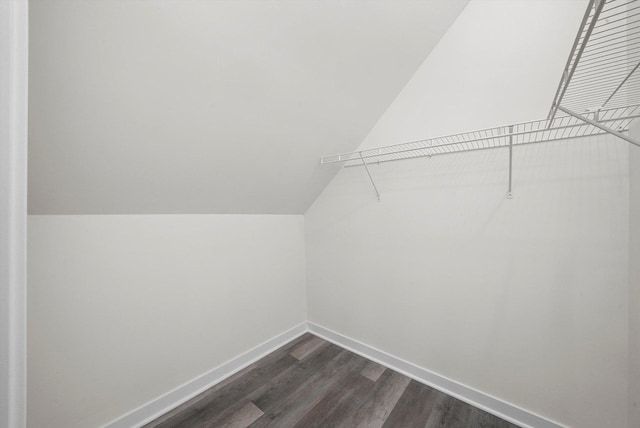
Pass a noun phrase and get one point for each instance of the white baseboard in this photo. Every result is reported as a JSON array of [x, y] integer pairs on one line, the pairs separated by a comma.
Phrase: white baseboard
[[172, 399], [493, 405], [185, 392]]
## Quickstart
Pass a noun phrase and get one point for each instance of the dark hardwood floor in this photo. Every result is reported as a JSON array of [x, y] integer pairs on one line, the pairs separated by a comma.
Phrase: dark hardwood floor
[[313, 383]]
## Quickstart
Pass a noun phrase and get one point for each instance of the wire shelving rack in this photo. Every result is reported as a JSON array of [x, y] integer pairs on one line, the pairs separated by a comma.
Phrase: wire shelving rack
[[602, 69], [599, 93], [562, 127]]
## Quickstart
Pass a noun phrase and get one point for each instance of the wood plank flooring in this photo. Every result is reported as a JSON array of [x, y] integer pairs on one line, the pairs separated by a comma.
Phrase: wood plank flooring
[[313, 383]]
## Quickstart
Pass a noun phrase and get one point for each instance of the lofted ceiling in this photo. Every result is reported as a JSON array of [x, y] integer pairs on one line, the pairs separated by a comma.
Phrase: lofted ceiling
[[198, 106]]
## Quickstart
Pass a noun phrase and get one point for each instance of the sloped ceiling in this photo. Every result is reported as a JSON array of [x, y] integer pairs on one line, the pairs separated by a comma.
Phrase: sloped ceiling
[[198, 106]]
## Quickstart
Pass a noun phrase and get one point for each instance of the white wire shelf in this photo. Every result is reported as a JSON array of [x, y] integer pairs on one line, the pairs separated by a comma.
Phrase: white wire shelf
[[562, 127], [601, 71], [599, 94]]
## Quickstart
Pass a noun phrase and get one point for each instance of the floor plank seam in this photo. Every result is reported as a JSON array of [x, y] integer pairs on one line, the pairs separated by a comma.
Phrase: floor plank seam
[[311, 382]]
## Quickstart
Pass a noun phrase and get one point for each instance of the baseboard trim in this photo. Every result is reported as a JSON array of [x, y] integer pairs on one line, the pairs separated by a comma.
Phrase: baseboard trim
[[172, 399], [493, 405]]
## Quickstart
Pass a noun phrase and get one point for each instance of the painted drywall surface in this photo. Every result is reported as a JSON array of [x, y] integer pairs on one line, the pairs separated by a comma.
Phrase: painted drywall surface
[[524, 299], [155, 107], [634, 279], [123, 309], [499, 63]]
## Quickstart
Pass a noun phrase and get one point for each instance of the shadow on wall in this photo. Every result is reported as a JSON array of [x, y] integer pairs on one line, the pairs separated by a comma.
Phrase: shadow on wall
[[458, 177], [497, 293]]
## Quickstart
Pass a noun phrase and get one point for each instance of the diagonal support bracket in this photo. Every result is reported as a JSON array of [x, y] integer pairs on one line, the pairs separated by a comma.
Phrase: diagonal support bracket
[[364, 163], [628, 76], [509, 193], [601, 126]]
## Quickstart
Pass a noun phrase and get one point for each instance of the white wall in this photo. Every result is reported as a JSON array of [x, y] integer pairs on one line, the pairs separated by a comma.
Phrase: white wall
[[634, 280], [123, 309], [152, 107], [523, 299], [13, 210], [499, 63]]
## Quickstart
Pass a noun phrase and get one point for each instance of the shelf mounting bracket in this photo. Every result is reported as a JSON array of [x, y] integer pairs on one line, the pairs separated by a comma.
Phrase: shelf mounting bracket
[[601, 126], [364, 163], [509, 194]]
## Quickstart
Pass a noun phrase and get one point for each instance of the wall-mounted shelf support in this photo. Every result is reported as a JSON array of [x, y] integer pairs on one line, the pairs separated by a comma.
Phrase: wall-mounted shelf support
[[600, 126], [364, 163], [509, 194]]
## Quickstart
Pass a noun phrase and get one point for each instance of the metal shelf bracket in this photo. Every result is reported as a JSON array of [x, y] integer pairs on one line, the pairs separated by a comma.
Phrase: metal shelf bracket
[[364, 163], [600, 126], [509, 194]]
